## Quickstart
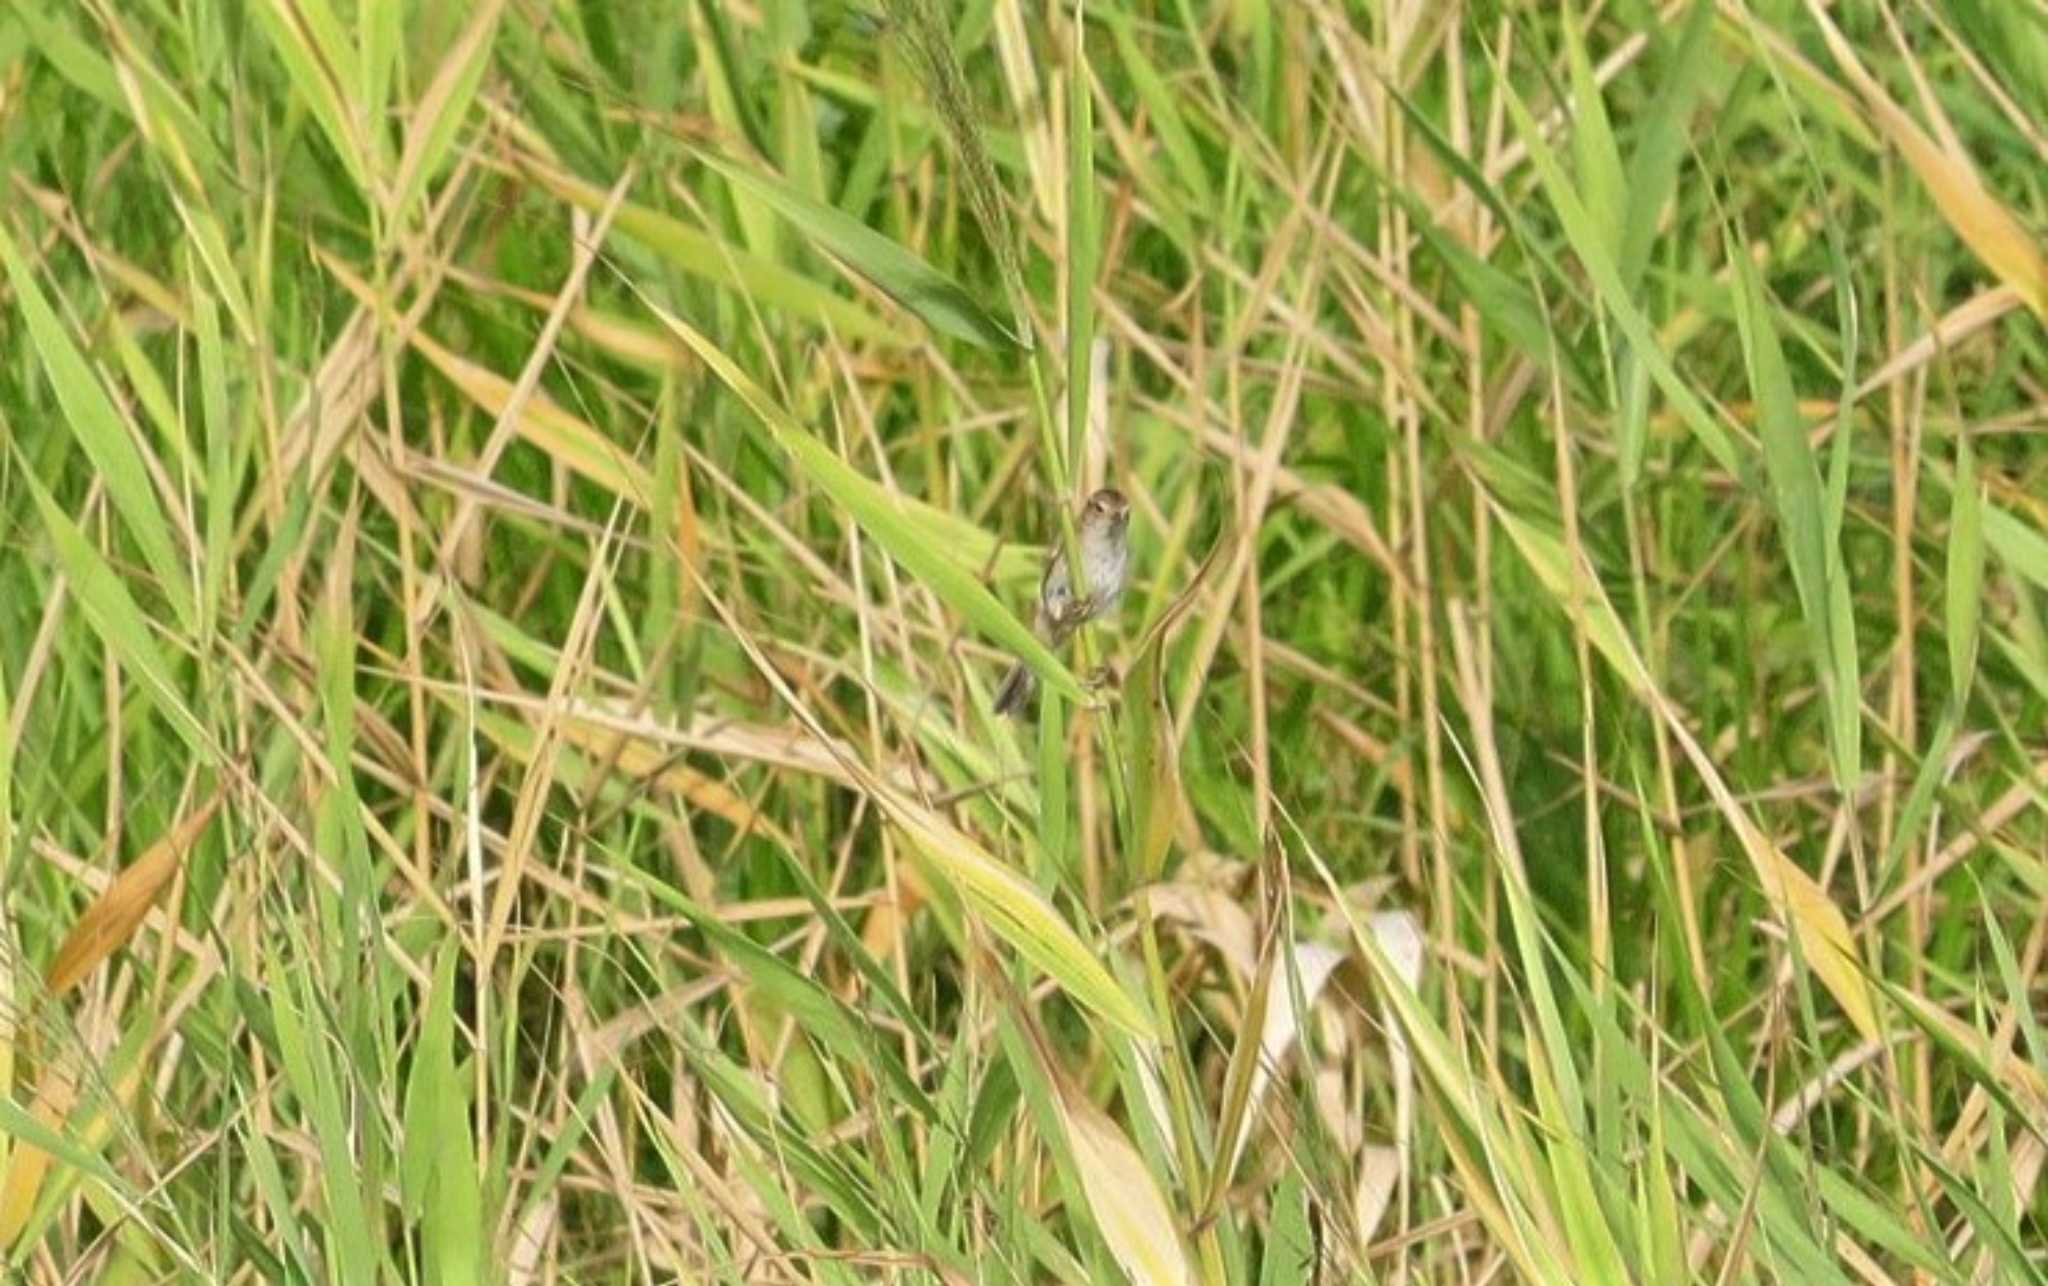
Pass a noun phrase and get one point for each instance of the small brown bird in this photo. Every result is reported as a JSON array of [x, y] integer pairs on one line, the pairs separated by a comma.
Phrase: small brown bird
[[1104, 537]]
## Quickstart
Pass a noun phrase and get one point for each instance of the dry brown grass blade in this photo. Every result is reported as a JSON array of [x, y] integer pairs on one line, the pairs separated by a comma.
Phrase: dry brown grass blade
[[2018, 798], [116, 913], [637, 758], [590, 235], [1958, 324], [572, 667], [324, 421], [1214, 915], [2019, 1076], [1263, 469], [1823, 931], [1979, 218], [783, 747], [630, 342], [105, 927], [1378, 1176], [1159, 801], [571, 441], [644, 748]]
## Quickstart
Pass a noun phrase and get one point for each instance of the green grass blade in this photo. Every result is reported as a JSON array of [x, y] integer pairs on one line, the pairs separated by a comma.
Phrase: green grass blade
[[318, 1085], [1023, 918], [817, 1012], [1804, 520], [442, 108], [703, 255], [1175, 137], [1597, 255], [101, 431], [309, 40], [2022, 547], [438, 1168], [1661, 146], [1601, 182], [118, 620], [1082, 244], [932, 296], [1963, 597], [220, 455]]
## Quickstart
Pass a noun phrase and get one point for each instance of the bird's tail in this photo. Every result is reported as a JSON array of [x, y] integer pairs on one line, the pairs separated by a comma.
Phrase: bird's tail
[[1016, 690]]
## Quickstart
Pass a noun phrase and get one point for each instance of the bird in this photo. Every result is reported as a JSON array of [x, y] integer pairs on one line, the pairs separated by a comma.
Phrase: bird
[[1103, 536]]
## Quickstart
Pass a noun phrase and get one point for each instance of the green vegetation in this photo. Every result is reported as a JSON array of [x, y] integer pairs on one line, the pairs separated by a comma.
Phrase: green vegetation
[[511, 517]]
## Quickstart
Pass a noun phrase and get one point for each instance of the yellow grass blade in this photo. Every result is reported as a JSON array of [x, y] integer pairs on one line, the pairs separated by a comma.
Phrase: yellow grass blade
[[1979, 218], [1123, 1196]]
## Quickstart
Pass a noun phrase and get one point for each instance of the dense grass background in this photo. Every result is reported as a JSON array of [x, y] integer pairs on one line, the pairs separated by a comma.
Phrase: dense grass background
[[512, 515]]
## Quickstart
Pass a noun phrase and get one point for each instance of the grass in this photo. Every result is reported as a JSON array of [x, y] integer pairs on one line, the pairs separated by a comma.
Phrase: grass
[[512, 517]]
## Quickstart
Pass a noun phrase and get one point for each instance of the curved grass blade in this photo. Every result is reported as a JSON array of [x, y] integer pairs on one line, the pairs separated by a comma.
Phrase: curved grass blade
[[1999, 239], [1123, 1196], [118, 911], [1018, 913]]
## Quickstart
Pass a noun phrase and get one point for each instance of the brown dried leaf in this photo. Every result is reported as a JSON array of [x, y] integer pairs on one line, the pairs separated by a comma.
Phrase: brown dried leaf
[[114, 916]]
